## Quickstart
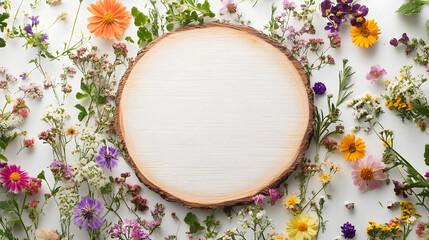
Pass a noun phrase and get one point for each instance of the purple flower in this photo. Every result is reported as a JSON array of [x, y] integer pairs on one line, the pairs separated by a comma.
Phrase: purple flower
[[427, 173], [319, 88], [86, 214], [400, 188], [23, 76], [108, 157], [288, 5], [28, 29], [394, 42], [34, 21], [326, 8], [359, 16], [259, 199], [45, 37], [61, 170], [348, 230], [332, 27], [375, 73], [404, 39], [274, 196]]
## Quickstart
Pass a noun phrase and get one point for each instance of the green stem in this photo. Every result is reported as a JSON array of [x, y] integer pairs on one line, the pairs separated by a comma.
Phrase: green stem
[[74, 24], [17, 11]]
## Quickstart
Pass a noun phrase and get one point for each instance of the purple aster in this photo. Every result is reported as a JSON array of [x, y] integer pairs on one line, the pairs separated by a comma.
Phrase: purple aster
[[34, 21], [394, 42], [28, 29], [326, 8], [45, 37], [259, 199], [348, 230], [319, 88], [108, 157], [86, 214]]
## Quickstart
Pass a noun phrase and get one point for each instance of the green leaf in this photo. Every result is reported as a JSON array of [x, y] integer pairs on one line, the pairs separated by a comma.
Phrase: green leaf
[[101, 100], [424, 110], [4, 205], [144, 34], [412, 7], [2, 43], [81, 116], [13, 221], [427, 27], [41, 175], [3, 157], [55, 190], [84, 87], [80, 95], [170, 26], [3, 145], [190, 218], [192, 221], [4, 16], [22, 107], [80, 107], [426, 154], [129, 39]]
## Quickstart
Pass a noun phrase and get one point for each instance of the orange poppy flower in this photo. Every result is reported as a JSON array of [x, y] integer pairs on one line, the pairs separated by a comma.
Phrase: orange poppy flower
[[109, 20]]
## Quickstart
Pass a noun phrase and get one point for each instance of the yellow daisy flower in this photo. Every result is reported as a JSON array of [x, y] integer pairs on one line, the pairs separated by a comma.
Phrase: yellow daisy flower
[[71, 131], [354, 150], [302, 227], [366, 35]]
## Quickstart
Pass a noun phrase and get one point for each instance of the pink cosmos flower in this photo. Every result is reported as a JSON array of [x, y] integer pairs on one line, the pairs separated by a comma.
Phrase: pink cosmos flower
[[368, 173], [375, 73], [14, 179]]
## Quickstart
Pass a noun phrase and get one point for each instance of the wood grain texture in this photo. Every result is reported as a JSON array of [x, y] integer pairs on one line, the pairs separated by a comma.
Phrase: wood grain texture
[[213, 114]]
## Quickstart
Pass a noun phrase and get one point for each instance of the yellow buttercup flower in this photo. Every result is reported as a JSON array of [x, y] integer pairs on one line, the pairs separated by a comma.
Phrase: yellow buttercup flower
[[366, 35], [302, 227], [354, 150]]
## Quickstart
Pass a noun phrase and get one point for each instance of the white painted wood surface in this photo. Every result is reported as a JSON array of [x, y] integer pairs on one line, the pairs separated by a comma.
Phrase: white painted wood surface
[[213, 114]]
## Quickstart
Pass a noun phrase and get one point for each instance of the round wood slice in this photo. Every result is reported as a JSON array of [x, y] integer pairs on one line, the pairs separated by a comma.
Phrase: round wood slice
[[213, 114]]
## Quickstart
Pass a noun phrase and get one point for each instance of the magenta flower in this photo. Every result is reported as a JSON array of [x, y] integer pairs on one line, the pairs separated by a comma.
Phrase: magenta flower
[[86, 214], [375, 73], [427, 175], [14, 179], [129, 229], [274, 196], [258, 199], [368, 173]]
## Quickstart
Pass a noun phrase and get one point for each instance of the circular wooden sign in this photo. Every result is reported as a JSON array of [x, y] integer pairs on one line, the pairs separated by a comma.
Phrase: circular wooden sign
[[211, 115]]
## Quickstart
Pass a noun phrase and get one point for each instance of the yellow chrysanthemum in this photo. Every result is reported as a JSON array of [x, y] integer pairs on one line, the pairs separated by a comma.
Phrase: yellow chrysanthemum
[[354, 150], [302, 227], [291, 200], [366, 35]]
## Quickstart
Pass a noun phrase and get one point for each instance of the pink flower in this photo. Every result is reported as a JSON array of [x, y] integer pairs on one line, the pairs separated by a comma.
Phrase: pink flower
[[375, 73], [29, 143], [274, 196], [47, 234], [14, 179], [259, 199], [32, 204], [229, 7], [368, 172], [33, 186]]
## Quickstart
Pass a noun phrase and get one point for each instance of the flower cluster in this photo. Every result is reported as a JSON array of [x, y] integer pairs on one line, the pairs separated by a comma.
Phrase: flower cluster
[[366, 109], [403, 91], [341, 12], [128, 229], [389, 230], [421, 47], [61, 171]]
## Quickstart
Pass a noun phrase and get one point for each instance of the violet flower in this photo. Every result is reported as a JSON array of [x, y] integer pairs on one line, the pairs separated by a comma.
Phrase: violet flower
[[394, 42], [108, 157], [28, 29], [34, 20], [45, 37], [376, 73], [326, 7], [319, 88], [348, 230], [274, 196], [23, 76], [359, 16], [86, 214], [400, 189]]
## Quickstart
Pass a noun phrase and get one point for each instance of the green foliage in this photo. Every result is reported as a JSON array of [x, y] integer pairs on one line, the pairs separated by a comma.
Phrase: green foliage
[[411, 7], [426, 154], [211, 223], [3, 25], [177, 14], [192, 220]]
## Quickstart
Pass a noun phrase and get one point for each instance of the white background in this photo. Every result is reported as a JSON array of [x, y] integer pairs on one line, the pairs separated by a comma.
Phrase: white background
[[409, 139]]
